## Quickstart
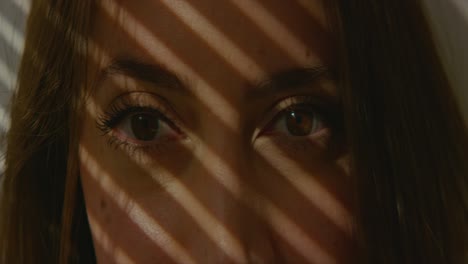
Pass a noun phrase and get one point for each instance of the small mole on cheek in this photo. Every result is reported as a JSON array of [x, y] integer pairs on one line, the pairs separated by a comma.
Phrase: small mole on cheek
[[103, 204], [106, 216]]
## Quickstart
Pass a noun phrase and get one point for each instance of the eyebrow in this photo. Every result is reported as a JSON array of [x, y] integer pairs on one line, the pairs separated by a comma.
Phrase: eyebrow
[[154, 74], [288, 79], [159, 76]]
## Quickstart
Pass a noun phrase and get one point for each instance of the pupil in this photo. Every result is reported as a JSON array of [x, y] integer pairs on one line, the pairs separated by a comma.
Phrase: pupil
[[299, 123], [144, 126]]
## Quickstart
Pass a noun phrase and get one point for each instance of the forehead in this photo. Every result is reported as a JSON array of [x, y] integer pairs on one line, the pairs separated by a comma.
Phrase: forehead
[[228, 41]]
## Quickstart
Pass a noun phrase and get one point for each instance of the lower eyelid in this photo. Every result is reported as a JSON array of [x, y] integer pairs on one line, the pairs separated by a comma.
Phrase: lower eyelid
[[322, 132], [136, 152], [170, 136], [318, 140], [117, 138]]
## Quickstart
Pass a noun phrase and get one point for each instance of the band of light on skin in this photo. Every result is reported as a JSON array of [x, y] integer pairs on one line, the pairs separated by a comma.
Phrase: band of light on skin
[[24, 5], [212, 227], [216, 39], [275, 30], [159, 51], [294, 235], [12, 36], [105, 242], [135, 212], [315, 193]]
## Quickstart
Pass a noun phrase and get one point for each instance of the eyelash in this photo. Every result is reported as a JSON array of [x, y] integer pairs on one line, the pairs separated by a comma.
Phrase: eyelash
[[327, 112]]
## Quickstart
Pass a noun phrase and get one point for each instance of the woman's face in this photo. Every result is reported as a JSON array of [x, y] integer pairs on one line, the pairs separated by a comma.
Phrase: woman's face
[[211, 134]]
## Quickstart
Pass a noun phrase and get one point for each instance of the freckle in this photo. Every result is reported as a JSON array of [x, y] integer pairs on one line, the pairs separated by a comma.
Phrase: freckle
[[103, 204]]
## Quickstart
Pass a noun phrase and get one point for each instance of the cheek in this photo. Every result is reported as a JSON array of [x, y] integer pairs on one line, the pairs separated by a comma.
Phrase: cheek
[[134, 215], [314, 193], [306, 170], [122, 205], [128, 227], [115, 234]]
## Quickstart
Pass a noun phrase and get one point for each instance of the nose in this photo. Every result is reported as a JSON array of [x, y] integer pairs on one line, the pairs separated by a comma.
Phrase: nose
[[224, 162]]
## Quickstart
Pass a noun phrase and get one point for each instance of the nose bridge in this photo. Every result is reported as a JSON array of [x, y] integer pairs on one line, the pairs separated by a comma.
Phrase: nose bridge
[[227, 143], [224, 155]]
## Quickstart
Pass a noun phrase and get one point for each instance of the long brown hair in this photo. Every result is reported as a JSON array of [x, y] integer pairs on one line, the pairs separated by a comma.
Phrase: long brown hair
[[407, 140], [40, 158]]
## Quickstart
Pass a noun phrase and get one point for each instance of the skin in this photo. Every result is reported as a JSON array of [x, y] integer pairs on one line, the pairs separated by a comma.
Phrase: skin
[[226, 181]]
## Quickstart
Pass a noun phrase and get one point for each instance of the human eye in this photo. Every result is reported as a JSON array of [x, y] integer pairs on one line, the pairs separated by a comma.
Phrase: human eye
[[139, 124], [296, 121], [302, 119]]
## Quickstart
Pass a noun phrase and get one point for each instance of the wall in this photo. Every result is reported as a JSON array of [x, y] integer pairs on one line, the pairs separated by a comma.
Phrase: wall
[[12, 21], [449, 19]]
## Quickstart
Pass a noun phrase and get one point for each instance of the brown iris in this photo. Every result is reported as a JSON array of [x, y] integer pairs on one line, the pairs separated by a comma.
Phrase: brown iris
[[299, 123], [145, 127]]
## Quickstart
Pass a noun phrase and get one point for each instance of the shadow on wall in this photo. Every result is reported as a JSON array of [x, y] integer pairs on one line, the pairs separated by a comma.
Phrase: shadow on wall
[[450, 24], [12, 22]]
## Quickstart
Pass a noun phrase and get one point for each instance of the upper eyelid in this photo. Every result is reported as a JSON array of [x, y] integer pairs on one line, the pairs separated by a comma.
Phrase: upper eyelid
[[123, 98], [290, 101], [143, 109]]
